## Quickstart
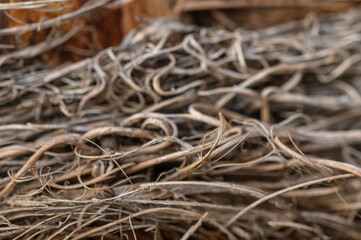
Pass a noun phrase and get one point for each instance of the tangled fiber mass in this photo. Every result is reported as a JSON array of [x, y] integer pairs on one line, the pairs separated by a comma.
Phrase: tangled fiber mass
[[185, 132]]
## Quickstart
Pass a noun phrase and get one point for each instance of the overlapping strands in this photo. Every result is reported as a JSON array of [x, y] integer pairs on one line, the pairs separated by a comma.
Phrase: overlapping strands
[[183, 132]]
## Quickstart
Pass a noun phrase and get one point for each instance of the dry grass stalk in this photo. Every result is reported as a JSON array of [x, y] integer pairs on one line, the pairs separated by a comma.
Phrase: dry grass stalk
[[187, 132]]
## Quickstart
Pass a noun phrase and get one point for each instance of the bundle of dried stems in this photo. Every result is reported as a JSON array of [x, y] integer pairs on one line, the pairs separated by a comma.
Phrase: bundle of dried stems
[[183, 132]]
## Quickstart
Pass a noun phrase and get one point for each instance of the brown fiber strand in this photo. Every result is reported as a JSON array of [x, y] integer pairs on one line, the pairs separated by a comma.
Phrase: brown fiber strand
[[183, 132]]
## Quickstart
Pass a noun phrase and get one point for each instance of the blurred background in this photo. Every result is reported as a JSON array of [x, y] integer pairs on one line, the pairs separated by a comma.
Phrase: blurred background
[[104, 23]]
